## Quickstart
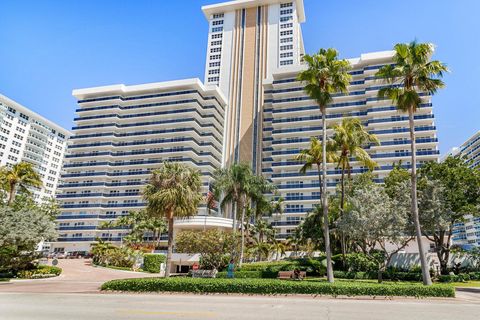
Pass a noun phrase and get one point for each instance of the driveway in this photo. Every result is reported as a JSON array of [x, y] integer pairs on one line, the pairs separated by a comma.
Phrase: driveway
[[78, 276]]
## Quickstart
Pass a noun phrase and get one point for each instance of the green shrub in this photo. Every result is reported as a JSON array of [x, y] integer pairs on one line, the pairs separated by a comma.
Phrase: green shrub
[[313, 267], [274, 286], [152, 262], [448, 278], [40, 272], [388, 275], [250, 274]]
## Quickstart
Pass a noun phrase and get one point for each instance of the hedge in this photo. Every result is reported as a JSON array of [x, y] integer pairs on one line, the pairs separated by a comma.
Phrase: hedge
[[462, 277], [274, 286], [40, 272], [312, 266], [250, 274], [394, 276], [152, 262]]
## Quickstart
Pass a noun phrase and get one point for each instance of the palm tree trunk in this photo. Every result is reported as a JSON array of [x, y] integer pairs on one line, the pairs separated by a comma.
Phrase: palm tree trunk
[[11, 195], [421, 250], [170, 245], [242, 245], [342, 208], [326, 231]]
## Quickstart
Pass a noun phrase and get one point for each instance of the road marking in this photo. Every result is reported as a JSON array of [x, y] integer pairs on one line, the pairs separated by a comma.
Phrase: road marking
[[171, 313]]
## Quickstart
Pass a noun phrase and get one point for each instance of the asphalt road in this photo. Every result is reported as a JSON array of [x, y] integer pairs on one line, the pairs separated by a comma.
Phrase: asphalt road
[[21, 306]]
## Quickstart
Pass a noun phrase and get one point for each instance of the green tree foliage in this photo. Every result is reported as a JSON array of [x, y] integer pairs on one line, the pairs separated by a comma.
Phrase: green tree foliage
[[412, 73], [377, 222], [18, 177], [107, 254], [141, 224], [20, 233], [448, 190], [214, 246], [173, 191], [325, 76]]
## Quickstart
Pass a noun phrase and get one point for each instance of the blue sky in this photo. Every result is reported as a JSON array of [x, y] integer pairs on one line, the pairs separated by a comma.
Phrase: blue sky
[[48, 48]]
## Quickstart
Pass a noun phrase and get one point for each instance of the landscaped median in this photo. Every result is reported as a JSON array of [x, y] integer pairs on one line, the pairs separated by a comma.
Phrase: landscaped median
[[274, 286]]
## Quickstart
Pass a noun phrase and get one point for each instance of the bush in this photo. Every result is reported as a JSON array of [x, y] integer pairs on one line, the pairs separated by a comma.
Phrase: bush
[[152, 262], [274, 286], [250, 274], [388, 275], [313, 267], [40, 272]]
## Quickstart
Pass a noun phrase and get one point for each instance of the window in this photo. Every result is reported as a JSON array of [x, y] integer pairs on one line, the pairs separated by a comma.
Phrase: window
[[213, 79], [213, 50], [218, 15], [286, 5], [285, 40], [286, 55], [23, 116], [217, 36], [216, 43], [217, 29], [217, 23], [286, 62], [288, 11], [215, 57], [12, 110], [286, 25], [286, 18], [214, 71], [287, 47], [286, 33], [214, 64]]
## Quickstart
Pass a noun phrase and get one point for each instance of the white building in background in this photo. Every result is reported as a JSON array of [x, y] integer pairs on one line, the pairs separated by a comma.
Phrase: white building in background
[[470, 149], [27, 136], [467, 232], [290, 118], [121, 134], [251, 109]]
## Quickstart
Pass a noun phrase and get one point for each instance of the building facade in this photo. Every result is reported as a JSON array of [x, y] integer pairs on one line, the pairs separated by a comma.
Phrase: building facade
[[291, 118], [251, 109], [121, 134], [27, 136], [470, 149], [467, 233], [247, 41]]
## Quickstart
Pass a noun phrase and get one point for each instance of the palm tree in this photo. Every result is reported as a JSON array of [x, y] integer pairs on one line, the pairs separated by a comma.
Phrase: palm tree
[[411, 73], [325, 76], [235, 183], [314, 156], [279, 248], [20, 176], [350, 138], [173, 191]]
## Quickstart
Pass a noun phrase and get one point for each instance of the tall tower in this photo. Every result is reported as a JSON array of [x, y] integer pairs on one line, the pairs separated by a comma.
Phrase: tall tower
[[247, 41]]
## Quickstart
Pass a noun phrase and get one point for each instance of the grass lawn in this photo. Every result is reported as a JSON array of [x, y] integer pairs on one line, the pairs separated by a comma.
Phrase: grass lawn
[[275, 286], [4, 279], [469, 284]]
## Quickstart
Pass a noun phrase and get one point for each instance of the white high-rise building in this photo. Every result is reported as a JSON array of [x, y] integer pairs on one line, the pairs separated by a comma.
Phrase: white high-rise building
[[121, 134], [251, 108], [470, 149], [27, 136]]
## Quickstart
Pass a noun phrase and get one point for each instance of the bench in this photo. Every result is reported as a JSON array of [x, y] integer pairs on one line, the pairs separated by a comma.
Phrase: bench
[[204, 273], [291, 275]]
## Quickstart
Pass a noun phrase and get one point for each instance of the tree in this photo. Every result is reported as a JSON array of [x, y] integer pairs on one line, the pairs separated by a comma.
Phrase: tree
[[448, 190], [140, 223], [374, 221], [20, 233], [240, 186], [19, 177], [314, 156], [279, 248], [412, 73], [325, 75], [214, 246], [173, 191], [350, 138]]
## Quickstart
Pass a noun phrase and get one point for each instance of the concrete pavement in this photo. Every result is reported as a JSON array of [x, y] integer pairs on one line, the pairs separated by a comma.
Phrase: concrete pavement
[[16, 306], [78, 276]]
